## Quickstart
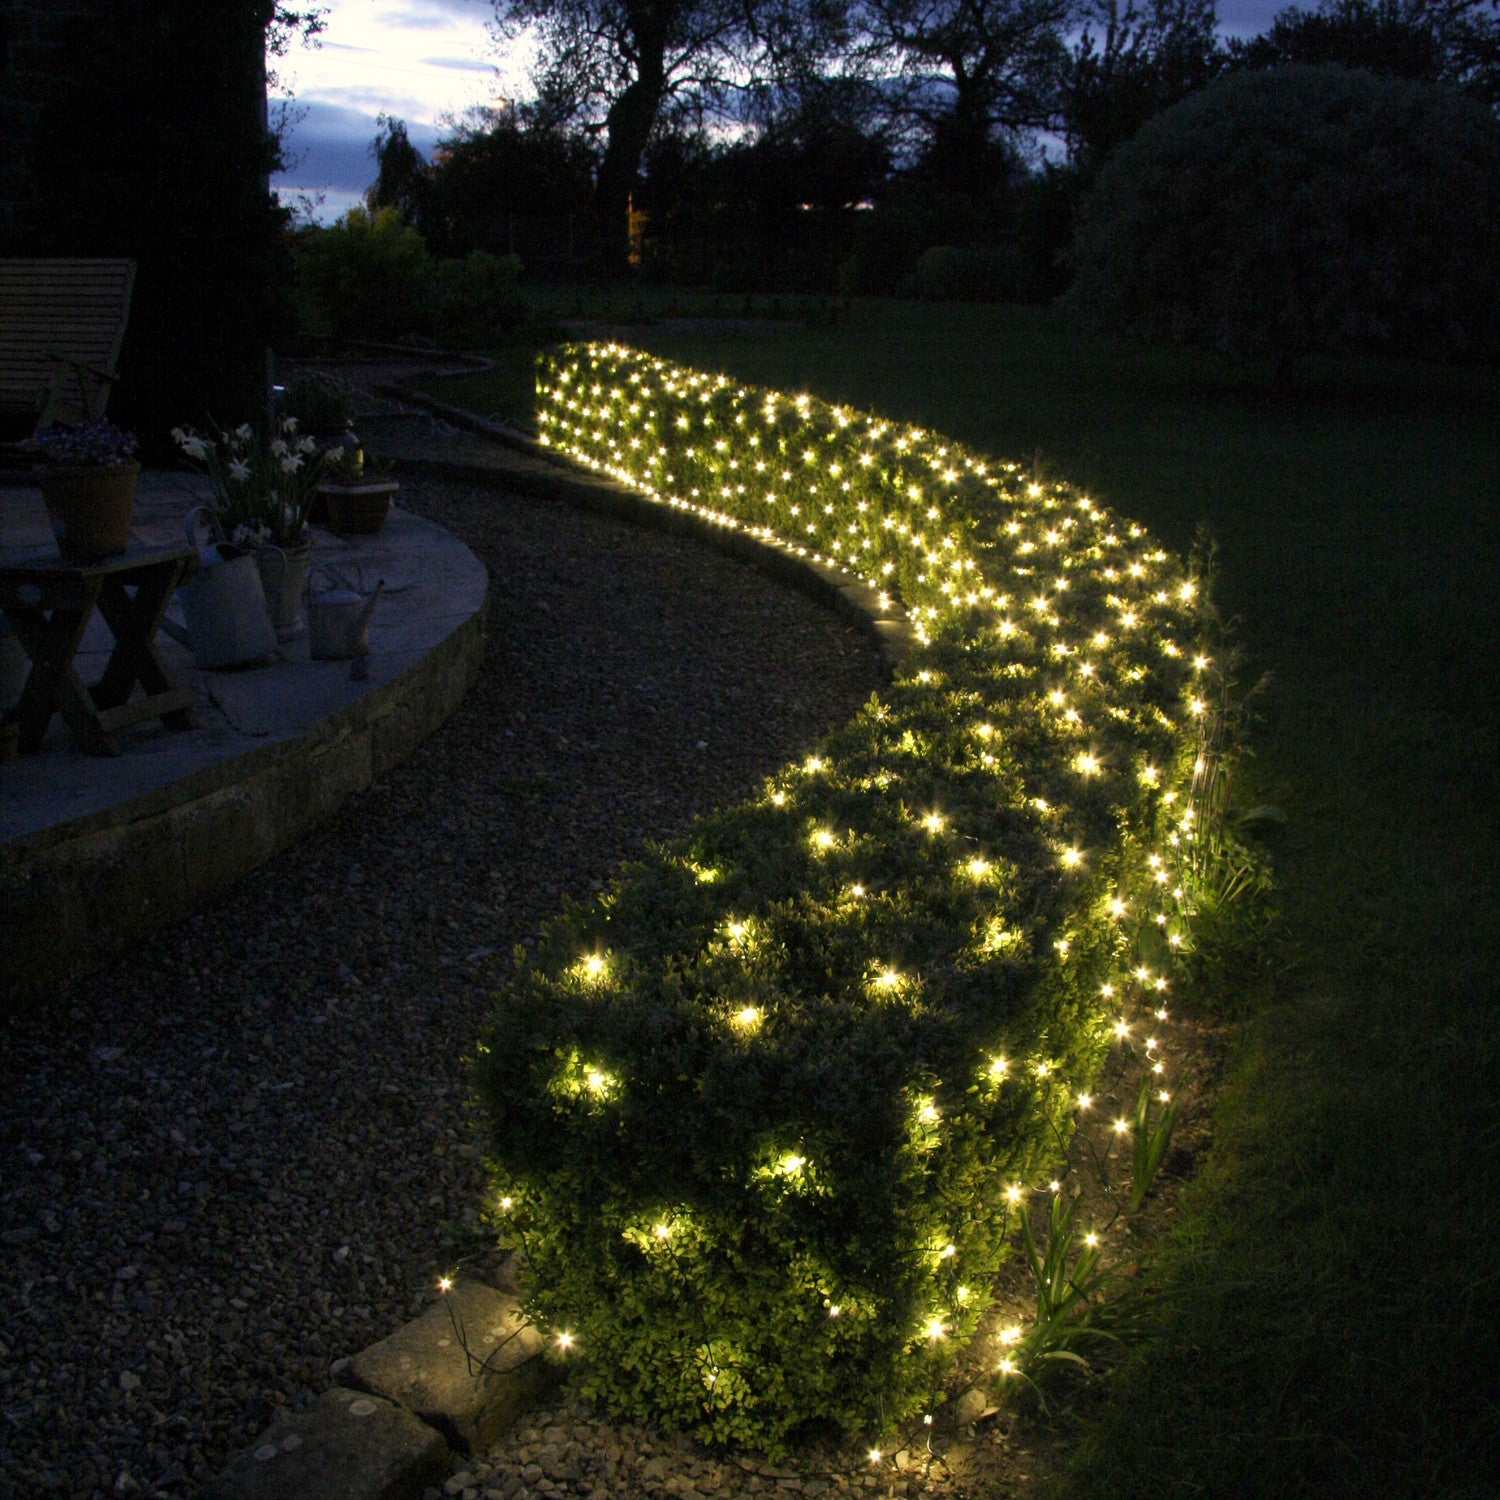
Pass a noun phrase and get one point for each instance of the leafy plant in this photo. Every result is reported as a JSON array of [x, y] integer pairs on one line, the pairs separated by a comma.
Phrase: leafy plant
[[749, 1109], [1151, 1139]]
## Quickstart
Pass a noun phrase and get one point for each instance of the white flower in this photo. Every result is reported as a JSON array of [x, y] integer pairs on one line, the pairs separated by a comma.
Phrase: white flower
[[178, 435], [251, 534], [307, 445], [239, 470], [279, 449], [289, 424], [291, 463], [194, 446], [244, 432]]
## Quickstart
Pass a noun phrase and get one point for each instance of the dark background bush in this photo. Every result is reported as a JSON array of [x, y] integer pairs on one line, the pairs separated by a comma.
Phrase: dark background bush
[[1297, 209]]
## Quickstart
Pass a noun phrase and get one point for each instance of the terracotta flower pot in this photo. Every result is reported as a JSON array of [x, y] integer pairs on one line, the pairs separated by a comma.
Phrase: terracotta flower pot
[[90, 507], [358, 508]]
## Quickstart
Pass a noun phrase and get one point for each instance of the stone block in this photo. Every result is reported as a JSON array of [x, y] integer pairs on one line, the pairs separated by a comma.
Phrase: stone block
[[347, 1447], [469, 1365]]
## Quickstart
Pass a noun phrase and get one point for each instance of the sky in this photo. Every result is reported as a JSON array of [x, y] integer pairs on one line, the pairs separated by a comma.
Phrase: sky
[[425, 60]]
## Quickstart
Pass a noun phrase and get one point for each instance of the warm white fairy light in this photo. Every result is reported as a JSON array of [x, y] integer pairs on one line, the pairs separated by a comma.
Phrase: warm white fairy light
[[622, 411]]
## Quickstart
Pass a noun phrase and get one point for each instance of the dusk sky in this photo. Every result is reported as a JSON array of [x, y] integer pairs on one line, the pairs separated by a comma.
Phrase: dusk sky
[[423, 59]]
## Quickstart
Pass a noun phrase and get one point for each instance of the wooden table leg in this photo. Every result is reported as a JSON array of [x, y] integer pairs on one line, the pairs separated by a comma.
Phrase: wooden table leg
[[134, 621], [53, 684]]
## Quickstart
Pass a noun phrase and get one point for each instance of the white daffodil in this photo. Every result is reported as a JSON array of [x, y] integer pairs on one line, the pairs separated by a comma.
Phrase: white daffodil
[[244, 432], [291, 463], [289, 424], [307, 445], [239, 470], [279, 449], [194, 446]]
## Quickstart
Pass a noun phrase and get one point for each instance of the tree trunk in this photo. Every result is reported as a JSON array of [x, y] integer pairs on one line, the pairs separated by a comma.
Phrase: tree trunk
[[629, 123]]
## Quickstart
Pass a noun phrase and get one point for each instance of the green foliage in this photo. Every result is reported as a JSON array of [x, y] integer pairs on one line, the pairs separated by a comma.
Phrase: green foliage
[[962, 273], [319, 405], [1151, 1139], [1069, 1279], [368, 276], [752, 1111], [371, 276], [1301, 209]]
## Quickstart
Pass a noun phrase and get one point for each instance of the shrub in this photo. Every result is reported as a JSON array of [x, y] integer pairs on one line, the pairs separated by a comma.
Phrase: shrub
[[962, 273], [1301, 209], [479, 300], [368, 276], [753, 1113]]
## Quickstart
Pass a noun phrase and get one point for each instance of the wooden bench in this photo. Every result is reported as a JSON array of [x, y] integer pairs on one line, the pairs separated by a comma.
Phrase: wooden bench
[[62, 323]]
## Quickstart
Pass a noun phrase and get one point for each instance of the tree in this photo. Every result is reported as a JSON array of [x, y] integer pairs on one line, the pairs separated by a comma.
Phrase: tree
[[1129, 63], [1432, 41], [979, 74], [615, 66], [403, 179], [1294, 209]]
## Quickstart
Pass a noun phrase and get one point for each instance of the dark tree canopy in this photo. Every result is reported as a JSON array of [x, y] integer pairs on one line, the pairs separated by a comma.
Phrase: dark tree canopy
[[1296, 209]]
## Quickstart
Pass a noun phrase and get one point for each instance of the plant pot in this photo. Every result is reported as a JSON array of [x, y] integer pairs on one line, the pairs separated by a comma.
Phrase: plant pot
[[90, 507], [358, 509], [283, 572]]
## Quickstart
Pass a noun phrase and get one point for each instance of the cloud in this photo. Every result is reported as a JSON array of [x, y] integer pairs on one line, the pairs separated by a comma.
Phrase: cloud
[[330, 149], [437, 15], [460, 64]]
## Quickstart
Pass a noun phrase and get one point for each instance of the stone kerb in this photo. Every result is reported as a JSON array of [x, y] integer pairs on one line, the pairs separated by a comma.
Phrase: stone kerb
[[453, 1379]]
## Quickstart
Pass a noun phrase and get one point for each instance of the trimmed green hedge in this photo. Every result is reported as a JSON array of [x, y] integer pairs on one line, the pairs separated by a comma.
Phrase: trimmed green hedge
[[755, 1111]]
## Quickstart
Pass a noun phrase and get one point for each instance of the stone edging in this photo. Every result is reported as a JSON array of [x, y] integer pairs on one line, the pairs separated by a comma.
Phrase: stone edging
[[453, 1379], [76, 894], [552, 476]]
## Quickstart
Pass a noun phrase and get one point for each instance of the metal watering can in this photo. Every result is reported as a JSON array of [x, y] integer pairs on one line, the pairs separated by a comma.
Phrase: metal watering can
[[338, 621], [224, 605]]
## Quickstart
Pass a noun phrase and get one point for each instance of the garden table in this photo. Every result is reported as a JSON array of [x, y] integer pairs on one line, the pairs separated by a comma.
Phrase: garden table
[[49, 601]]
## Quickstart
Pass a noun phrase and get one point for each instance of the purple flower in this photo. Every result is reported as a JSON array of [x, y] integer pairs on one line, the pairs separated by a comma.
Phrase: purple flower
[[96, 445]]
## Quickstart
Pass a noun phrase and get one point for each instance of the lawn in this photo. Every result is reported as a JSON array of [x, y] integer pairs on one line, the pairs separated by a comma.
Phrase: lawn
[[1331, 1308]]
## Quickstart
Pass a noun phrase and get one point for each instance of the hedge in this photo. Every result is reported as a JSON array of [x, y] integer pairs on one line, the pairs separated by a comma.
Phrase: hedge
[[754, 1112]]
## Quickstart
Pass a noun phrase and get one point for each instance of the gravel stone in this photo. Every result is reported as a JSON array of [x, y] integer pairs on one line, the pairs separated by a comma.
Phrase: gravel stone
[[261, 1113]]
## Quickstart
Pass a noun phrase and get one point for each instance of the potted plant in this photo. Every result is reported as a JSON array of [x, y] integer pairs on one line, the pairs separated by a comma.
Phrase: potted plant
[[87, 477], [263, 483], [357, 493]]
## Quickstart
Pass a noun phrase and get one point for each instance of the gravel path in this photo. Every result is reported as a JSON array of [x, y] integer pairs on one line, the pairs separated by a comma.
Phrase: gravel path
[[245, 1151]]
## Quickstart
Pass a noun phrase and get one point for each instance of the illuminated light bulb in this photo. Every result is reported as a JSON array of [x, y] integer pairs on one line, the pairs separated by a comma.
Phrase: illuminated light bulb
[[1151, 1044], [1117, 907], [1199, 663], [1158, 1067], [928, 1114], [935, 1328], [857, 891], [834, 1309], [998, 1067], [706, 876], [947, 1252], [1013, 1193], [736, 930], [506, 1203], [1100, 639], [1161, 1015], [1121, 1126], [962, 1294], [1106, 990], [1091, 1240], [791, 1164], [1175, 940], [593, 965], [874, 1455], [1143, 974], [1085, 1100], [663, 1231], [1043, 1069], [933, 822], [1160, 919], [1128, 619], [1187, 591], [1010, 1334], [978, 867], [1007, 1366], [814, 764], [595, 1080], [1196, 705], [748, 1016], [1088, 765], [822, 838], [1161, 984], [888, 979], [1122, 1028], [1163, 1097], [778, 799], [565, 1341], [445, 1284], [1063, 945], [1054, 1186], [1072, 857]]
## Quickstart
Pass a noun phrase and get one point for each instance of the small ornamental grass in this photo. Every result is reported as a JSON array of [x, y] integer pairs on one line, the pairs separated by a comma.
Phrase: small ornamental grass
[[764, 1115], [263, 483]]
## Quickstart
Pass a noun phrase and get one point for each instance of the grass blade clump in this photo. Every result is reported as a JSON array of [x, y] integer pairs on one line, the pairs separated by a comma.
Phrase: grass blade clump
[[753, 1112]]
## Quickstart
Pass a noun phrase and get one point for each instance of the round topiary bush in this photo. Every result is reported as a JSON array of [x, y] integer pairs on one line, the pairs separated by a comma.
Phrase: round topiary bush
[[1299, 209]]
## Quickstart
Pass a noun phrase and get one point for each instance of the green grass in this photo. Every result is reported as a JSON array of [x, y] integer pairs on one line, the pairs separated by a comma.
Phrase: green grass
[[1332, 1309]]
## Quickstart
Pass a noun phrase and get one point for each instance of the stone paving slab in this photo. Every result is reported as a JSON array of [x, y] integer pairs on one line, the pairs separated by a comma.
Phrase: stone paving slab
[[347, 1447], [469, 1365]]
